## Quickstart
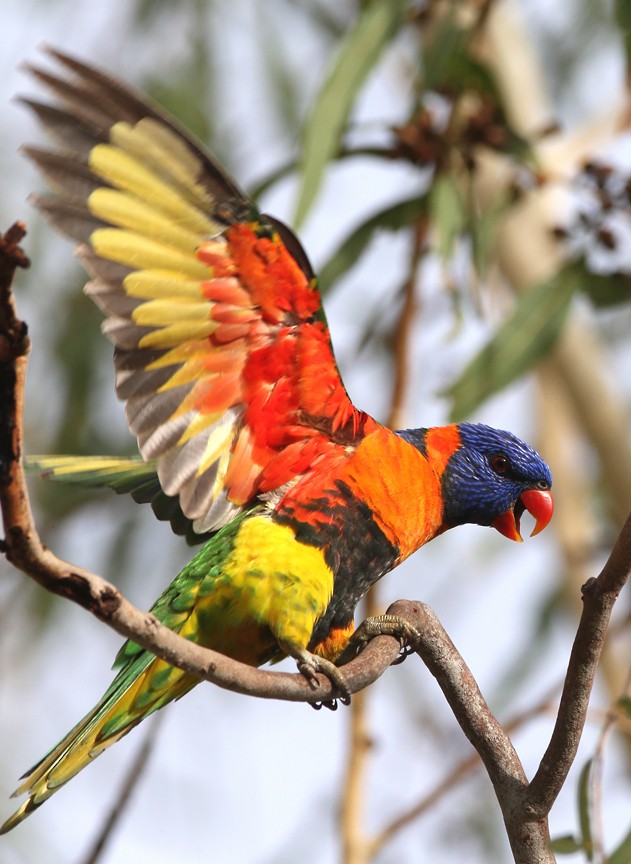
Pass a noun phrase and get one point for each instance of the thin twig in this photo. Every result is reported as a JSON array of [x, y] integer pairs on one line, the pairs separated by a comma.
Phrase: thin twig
[[529, 840], [599, 596], [354, 846], [355, 784], [471, 763]]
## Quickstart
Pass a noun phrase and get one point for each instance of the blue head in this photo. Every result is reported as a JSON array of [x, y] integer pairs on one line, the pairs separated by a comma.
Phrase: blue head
[[492, 478], [488, 476]]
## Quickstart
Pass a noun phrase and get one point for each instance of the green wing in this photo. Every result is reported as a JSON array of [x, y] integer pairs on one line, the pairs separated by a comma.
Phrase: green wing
[[128, 475]]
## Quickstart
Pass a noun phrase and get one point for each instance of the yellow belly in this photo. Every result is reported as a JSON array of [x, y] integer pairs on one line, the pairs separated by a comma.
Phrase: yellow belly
[[271, 585]]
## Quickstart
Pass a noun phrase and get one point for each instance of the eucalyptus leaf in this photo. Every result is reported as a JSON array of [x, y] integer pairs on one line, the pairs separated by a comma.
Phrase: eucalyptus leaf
[[622, 13], [376, 25], [392, 218], [524, 339], [624, 705], [565, 845], [622, 854], [447, 210], [451, 65], [283, 171], [483, 228], [442, 53], [256, 190], [606, 289], [584, 808]]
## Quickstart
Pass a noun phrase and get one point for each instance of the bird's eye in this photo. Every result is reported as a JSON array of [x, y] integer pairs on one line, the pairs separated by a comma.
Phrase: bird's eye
[[500, 464]]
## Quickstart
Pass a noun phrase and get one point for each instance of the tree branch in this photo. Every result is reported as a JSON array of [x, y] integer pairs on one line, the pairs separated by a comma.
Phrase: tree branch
[[525, 806], [465, 767], [529, 838]]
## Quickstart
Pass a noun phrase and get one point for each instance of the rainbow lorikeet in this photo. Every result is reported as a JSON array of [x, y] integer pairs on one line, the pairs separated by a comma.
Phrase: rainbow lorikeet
[[248, 439]]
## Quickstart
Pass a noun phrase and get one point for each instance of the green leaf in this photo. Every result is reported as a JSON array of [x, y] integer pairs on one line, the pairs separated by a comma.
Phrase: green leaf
[[284, 88], [524, 339], [330, 20], [624, 704], [450, 64], [606, 289], [483, 227], [584, 808], [622, 14], [257, 189], [565, 845], [376, 25], [442, 55], [452, 67], [392, 218], [448, 213], [622, 854]]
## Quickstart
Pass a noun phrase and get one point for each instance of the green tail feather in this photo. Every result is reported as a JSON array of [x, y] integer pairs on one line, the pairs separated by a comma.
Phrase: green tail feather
[[83, 743], [144, 683]]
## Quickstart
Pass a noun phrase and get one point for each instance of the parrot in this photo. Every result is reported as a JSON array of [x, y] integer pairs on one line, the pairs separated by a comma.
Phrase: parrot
[[248, 441]]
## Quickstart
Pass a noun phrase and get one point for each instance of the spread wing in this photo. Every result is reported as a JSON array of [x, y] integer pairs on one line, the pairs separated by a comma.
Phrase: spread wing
[[222, 353]]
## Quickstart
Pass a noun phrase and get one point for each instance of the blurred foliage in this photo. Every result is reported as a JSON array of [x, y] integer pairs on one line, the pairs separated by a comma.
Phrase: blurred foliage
[[357, 55], [518, 344], [399, 216], [587, 818]]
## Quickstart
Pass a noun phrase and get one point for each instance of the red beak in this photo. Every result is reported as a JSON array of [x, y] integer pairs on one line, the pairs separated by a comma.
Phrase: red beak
[[537, 502]]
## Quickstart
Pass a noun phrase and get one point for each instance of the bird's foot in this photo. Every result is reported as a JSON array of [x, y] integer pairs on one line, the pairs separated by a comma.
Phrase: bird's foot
[[381, 625], [309, 665]]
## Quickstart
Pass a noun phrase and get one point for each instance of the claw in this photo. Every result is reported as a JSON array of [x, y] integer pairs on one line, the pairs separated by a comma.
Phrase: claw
[[308, 671], [406, 651], [331, 704], [310, 664], [381, 625]]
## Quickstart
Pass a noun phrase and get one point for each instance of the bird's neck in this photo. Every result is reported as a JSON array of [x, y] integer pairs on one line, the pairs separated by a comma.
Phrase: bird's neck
[[437, 445], [401, 485]]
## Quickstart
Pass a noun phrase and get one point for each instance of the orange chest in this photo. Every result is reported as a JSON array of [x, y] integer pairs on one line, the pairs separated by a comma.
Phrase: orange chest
[[398, 485], [385, 482]]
